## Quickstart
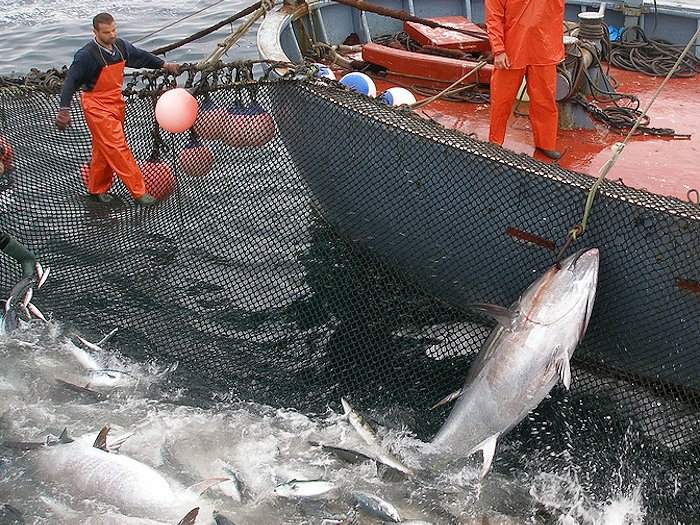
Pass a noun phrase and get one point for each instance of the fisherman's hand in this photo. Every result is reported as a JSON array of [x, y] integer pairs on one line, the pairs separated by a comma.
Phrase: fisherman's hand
[[63, 118], [501, 61], [171, 68]]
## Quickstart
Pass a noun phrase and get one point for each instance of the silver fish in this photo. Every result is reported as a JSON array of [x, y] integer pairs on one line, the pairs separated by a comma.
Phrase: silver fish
[[303, 489], [129, 485], [367, 433], [523, 358], [376, 506]]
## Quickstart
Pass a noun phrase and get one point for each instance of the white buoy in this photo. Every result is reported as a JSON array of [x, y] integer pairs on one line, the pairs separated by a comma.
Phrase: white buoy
[[398, 96]]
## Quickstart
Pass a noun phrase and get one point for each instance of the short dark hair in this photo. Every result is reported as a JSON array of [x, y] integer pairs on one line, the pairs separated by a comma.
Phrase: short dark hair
[[102, 18]]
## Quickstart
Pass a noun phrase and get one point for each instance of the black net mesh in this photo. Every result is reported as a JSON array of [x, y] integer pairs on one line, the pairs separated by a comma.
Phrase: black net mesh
[[330, 250]]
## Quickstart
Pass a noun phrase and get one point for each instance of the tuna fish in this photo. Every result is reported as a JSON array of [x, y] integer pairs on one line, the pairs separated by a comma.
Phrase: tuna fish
[[133, 487], [523, 358]]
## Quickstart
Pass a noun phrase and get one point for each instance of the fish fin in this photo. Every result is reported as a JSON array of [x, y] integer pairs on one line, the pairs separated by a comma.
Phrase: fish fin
[[64, 437], [101, 441], [448, 398], [564, 368], [106, 338], [190, 517], [115, 445], [80, 389], [488, 449], [204, 485], [87, 344], [503, 315], [347, 407]]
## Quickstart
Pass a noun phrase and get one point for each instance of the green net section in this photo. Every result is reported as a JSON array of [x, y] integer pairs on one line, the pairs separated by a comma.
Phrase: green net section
[[313, 243]]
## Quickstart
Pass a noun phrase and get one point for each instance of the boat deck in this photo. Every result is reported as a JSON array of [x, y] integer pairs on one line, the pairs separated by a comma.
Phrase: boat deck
[[661, 165]]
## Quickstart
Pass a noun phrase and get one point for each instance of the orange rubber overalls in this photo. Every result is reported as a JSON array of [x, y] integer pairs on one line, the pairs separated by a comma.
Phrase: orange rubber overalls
[[103, 108], [531, 33]]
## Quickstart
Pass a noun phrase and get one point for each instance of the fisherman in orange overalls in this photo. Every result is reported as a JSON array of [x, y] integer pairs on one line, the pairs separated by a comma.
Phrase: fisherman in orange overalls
[[98, 68], [527, 40]]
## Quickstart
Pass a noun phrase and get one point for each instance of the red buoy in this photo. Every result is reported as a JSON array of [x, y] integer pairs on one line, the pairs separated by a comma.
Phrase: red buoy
[[210, 120], [6, 156], [248, 126], [159, 178], [196, 159]]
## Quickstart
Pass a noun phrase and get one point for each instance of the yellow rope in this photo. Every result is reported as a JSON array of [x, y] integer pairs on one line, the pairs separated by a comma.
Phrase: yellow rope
[[426, 101]]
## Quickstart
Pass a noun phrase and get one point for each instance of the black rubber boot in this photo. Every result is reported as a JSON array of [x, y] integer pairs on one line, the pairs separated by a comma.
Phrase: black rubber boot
[[19, 252], [101, 197], [146, 200], [550, 153]]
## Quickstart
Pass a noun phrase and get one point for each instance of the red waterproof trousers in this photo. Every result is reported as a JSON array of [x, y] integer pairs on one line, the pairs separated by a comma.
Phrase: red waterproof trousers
[[541, 89], [103, 108]]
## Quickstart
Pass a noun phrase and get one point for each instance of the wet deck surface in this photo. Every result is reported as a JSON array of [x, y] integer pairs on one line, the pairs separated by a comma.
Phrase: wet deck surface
[[660, 165]]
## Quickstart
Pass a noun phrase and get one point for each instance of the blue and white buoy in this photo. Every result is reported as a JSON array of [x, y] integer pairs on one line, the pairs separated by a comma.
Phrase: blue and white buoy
[[360, 83], [324, 71], [397, 96]]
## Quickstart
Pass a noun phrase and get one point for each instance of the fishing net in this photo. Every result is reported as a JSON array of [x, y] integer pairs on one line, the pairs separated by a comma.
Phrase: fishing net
[[330, 250]]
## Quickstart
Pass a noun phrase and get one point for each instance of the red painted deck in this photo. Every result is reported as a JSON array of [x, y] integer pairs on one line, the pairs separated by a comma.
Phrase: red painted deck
[[660, 165]]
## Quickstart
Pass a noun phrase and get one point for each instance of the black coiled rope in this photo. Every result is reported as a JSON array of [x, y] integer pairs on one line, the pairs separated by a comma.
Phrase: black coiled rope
[[648, 56]]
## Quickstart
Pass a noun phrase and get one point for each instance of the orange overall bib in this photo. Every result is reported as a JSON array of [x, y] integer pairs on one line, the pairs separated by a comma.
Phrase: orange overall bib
[[531, 33], [103, 108]]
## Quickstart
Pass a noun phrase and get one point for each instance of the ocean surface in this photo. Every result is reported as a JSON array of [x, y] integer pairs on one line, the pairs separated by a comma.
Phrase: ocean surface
[[45, 34]]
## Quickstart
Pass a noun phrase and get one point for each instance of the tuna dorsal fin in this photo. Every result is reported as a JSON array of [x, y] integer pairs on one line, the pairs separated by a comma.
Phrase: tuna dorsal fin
[[204, 485], [64, 437], [101, 441], [488, 449], [503, 315], [564, 368], [448, 398], [190, 517]]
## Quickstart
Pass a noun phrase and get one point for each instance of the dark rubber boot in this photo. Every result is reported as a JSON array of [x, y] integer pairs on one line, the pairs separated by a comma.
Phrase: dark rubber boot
[[550, 153], [146, 200]]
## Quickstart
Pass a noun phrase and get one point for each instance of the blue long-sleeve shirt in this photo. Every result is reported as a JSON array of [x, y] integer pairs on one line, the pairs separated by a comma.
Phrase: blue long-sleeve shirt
[[91, 58]]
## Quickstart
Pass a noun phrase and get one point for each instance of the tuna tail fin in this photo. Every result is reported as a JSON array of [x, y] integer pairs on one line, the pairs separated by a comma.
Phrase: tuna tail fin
[[448, 398], [203, 486], [488, 449], [503, 315], [190, 517]]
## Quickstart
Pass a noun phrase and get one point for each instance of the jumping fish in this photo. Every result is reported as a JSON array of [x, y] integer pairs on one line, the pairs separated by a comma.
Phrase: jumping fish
[[523, 358], [367, 433], [376, 506]]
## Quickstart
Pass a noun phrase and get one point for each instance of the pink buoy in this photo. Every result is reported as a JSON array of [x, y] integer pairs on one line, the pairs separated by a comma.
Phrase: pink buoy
[[196, 159], [159, 178], [176, 110], [210, 121], [6, 156], [249, 126]]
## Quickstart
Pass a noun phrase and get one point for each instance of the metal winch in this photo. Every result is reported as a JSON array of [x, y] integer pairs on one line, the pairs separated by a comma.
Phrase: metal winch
[[581, 74]]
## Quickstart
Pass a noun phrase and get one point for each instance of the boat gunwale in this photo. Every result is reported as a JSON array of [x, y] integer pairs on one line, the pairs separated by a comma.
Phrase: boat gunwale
[[637, 197]]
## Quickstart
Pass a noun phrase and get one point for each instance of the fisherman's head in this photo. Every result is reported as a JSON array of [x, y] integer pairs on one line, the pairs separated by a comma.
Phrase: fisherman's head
[[105, 29]]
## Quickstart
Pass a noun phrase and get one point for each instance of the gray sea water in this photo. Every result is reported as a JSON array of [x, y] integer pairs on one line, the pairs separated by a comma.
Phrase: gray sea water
[[47, 33]]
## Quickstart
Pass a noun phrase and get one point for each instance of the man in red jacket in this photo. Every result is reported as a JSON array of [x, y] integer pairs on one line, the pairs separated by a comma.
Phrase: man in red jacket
[[527, 40]]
